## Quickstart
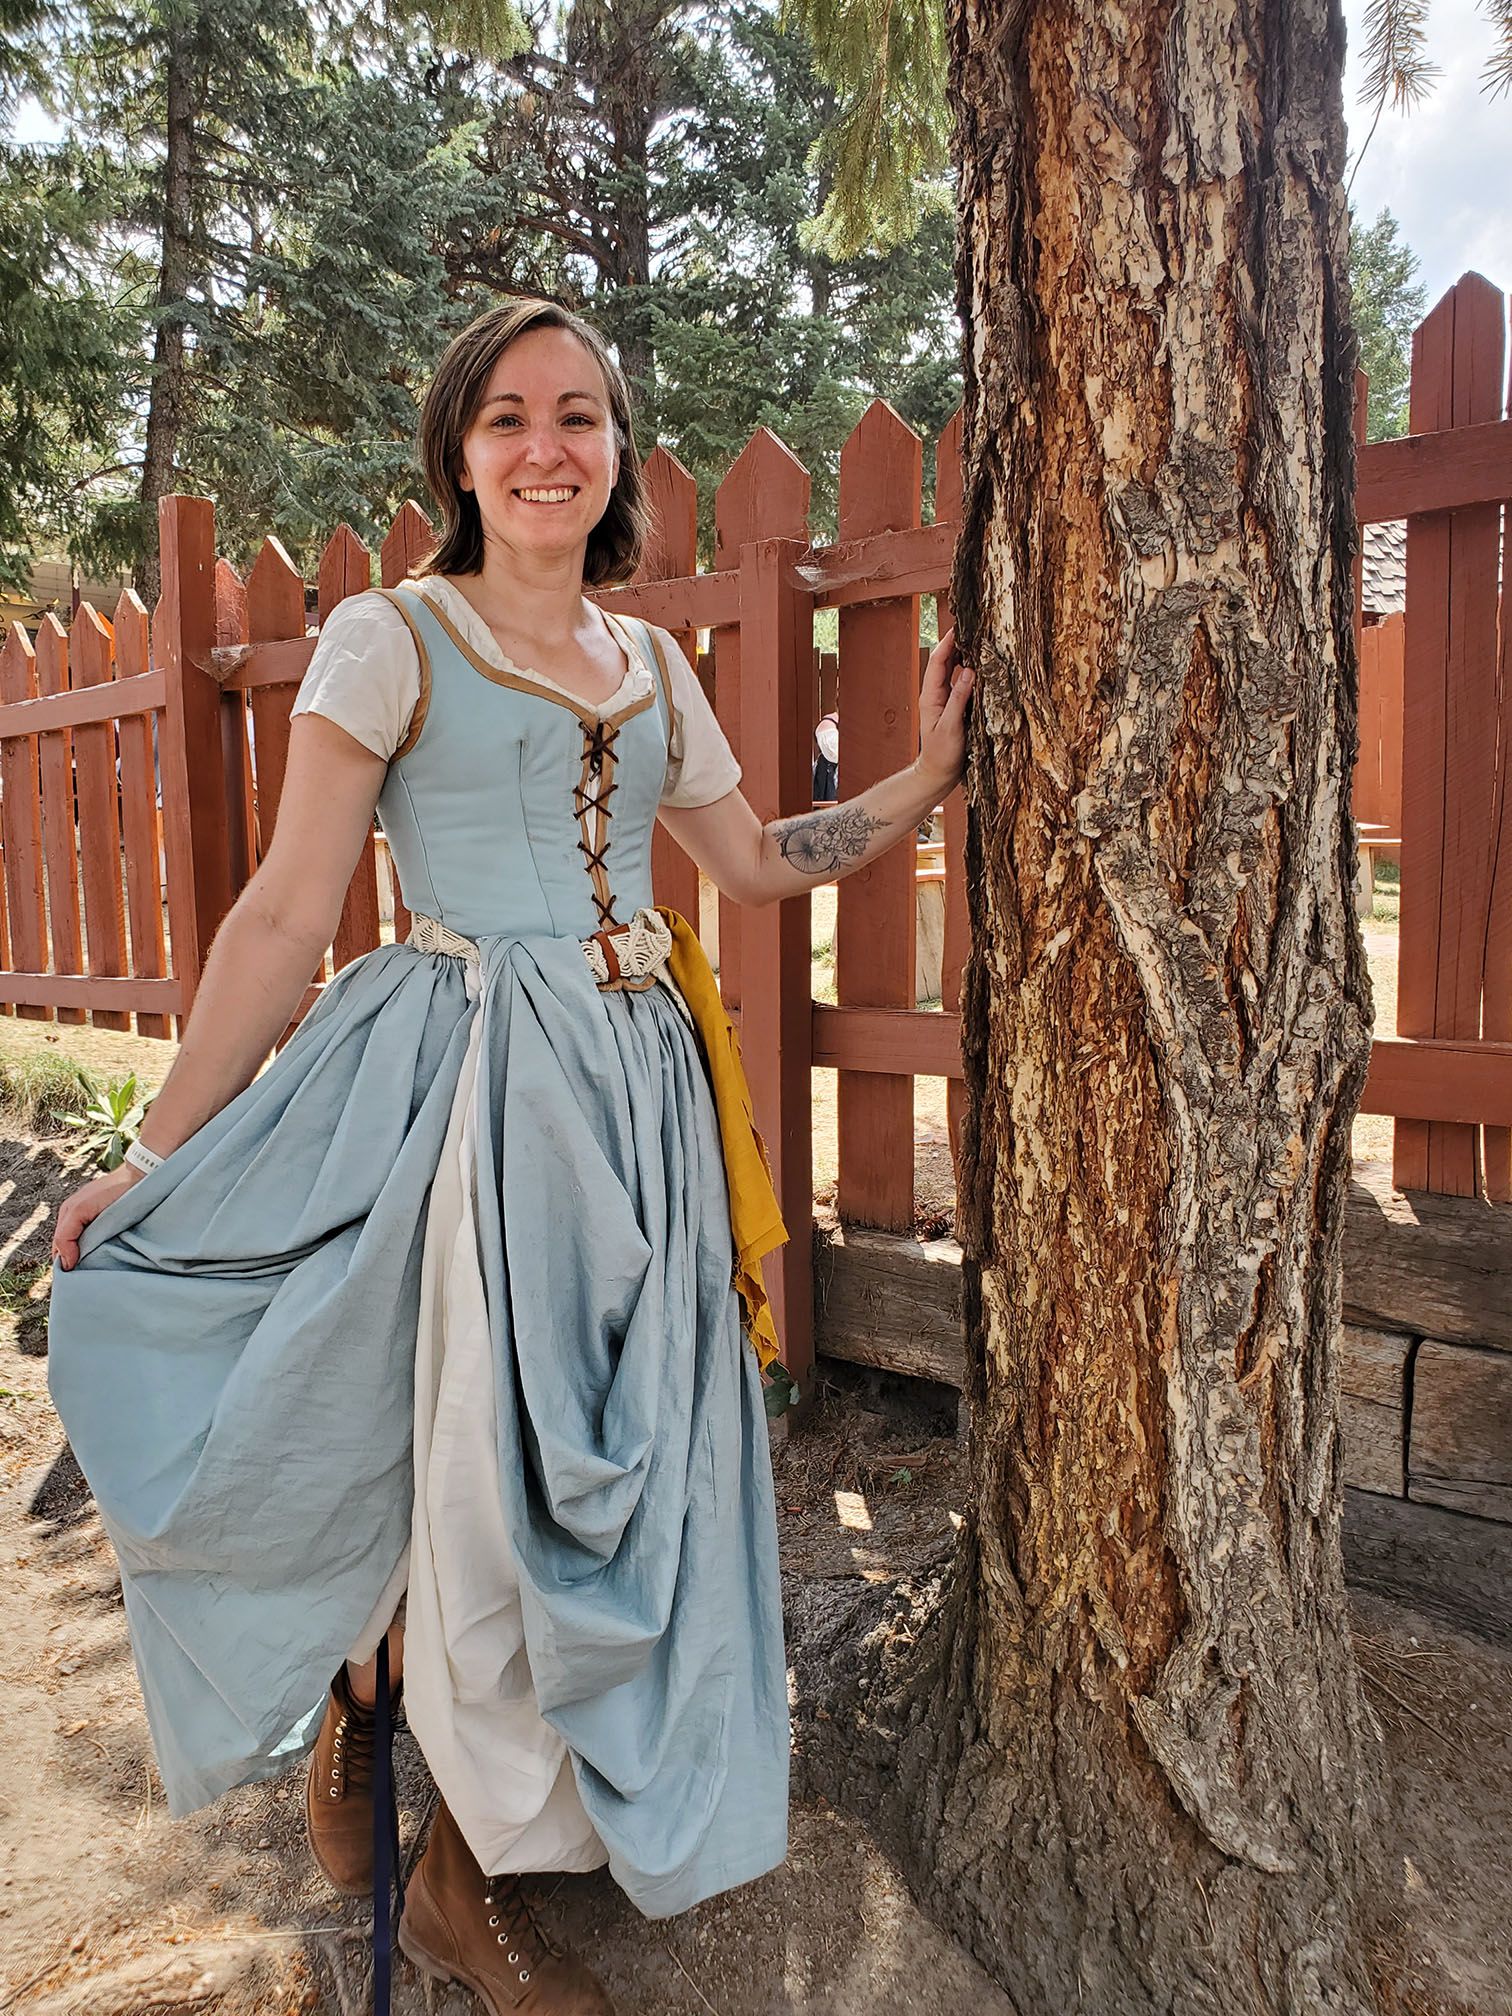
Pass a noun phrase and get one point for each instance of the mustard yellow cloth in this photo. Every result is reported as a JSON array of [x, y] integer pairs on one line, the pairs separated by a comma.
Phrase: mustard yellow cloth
[[755, 1217]]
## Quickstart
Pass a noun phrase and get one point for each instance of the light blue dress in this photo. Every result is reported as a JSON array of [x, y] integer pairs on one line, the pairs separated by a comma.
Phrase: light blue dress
[[233, 1357]]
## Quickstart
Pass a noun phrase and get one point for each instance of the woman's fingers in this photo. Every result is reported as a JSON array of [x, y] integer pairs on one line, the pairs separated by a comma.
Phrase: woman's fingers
[[960, 689], [79, 1210], [65, 1242], [937, 671]]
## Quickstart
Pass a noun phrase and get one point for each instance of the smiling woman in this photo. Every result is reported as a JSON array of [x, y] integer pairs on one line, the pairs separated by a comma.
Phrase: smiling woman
[[454, 1314]]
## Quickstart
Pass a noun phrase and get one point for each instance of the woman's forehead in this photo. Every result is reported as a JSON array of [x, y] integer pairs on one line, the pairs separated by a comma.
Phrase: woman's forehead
[[549, 364]]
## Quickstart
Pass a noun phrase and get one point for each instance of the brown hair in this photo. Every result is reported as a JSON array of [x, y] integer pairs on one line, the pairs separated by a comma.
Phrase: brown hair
[[451, 405]]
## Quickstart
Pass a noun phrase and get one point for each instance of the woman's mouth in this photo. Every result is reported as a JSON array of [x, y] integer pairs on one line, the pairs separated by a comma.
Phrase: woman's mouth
[[560, 493]]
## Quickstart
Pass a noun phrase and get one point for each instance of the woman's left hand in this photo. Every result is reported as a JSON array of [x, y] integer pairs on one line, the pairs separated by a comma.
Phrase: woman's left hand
[[942, 716]]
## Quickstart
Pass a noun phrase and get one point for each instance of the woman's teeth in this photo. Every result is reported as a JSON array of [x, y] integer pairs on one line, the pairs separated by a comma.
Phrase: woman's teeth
[[546, 496]]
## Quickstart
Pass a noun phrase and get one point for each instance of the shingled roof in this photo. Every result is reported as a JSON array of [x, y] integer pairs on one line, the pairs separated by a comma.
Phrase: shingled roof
[[1384, 568]]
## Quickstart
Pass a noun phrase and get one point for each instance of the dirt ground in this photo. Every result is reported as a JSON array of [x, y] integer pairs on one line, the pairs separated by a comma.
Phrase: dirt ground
[[110, 1908]]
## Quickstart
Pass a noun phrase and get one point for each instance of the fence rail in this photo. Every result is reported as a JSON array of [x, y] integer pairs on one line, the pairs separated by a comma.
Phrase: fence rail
[[84, 722]]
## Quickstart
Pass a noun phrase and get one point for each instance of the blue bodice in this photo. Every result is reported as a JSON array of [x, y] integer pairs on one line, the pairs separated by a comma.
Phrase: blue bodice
[[512, 810]]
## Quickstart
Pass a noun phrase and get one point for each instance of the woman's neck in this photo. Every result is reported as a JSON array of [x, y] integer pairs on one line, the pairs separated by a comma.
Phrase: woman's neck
[[541, 600]]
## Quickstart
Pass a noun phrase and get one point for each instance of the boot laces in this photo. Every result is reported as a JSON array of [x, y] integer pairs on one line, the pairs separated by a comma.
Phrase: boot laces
[[357, 1738], [513, 1918]]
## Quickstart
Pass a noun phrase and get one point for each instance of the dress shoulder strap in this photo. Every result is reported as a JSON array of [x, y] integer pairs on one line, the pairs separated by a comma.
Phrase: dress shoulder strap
[[663, 674], [422, 706]]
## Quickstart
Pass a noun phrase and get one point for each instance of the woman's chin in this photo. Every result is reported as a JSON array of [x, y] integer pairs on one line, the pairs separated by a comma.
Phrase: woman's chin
[[541, 535]]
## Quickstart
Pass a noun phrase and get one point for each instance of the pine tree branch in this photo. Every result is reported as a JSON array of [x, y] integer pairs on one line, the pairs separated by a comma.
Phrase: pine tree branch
[[1497, 75]]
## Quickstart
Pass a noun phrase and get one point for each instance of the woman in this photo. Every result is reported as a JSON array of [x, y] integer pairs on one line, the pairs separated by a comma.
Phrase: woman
[[439, 1307]]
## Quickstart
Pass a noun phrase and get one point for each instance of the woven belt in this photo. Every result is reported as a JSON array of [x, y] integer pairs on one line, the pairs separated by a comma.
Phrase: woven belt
[[429, 934], [624, 958]]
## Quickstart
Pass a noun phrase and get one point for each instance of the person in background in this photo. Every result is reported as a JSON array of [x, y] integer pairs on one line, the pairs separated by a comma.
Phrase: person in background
[[827, 758]]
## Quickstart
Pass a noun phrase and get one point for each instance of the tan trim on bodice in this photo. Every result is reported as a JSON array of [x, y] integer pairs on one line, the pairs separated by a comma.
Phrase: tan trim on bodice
[[499, 677], [422, 705]]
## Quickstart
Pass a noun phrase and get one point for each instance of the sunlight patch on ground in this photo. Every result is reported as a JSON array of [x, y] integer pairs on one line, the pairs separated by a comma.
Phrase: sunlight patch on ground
[[850, 1509]]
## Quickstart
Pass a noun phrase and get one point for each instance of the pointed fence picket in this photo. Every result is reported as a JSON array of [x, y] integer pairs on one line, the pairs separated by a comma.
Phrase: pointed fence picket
[[21, 821], [881, 491], [275, 612], [1454, 787], [56, 759], [141, 824], [671, 552]]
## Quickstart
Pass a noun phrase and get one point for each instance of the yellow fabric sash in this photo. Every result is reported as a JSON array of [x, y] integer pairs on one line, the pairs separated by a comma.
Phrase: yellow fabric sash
[[755, 1216]]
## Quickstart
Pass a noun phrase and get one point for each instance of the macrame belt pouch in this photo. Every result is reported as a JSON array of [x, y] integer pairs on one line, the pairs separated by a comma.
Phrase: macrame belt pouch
[[627, 958]]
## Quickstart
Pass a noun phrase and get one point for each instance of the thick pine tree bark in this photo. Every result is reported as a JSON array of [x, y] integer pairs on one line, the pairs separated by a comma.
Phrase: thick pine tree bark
[[1118, 1741]]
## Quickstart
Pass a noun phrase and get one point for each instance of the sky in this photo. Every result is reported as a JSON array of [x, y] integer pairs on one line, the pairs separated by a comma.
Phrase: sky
[[1444, 170]]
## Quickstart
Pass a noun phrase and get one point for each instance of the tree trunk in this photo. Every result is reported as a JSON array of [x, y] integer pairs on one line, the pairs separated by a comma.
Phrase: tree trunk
[[167, 399], [632, 270], [629, 87], [1118, 1741]]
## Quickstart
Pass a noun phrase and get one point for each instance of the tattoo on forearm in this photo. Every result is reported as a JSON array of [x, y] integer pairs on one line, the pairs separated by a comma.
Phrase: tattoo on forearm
[[824, 843]]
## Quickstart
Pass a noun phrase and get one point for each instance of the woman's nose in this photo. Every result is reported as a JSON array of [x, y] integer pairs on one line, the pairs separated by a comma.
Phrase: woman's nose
[[541, 447]]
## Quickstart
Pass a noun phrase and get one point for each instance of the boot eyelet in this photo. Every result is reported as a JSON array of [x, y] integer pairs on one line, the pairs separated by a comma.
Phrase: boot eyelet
[[524, 1974], [492, 1922], [503, 1939], [513, 1957]]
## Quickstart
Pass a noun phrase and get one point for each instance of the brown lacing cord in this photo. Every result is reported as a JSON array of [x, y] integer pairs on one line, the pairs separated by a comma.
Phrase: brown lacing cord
[[507, 1901], [600, 741], [358, 1736], [598, 750]]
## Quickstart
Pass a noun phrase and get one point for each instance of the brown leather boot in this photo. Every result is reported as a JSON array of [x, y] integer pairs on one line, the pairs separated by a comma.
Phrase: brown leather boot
[[339, 1791], [461, 1925]]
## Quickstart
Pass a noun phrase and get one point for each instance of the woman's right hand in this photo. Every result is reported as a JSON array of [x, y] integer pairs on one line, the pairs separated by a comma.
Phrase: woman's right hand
[[78, 1209]]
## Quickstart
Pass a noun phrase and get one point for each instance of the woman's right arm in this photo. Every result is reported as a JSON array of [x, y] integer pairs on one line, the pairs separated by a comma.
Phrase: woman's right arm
[[264, 953]]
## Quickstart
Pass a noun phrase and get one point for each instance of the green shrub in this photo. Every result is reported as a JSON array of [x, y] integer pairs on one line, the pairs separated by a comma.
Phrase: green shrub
[[110, 1121]]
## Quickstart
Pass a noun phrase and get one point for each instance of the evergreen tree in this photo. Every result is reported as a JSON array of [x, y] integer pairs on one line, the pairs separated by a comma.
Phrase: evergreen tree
[[1386, 308], [341, 196], [756, 322], [65, 336], [181, 98]]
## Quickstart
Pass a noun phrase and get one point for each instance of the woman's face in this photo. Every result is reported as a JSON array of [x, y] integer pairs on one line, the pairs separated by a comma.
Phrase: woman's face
[[540, 454]]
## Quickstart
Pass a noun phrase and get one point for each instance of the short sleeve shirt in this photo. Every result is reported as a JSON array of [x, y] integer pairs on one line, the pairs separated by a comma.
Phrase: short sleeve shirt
[[365, 676]]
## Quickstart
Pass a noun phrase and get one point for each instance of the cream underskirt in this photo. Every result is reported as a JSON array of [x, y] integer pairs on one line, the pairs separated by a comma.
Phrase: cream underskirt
[[468, 1692]]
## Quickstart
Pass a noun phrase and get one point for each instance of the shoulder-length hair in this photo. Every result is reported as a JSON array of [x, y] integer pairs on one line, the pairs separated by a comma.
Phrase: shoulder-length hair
[[451, 405]]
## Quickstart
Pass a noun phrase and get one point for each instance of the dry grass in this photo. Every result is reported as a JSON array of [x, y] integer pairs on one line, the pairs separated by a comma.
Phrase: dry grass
[[37, 1092]]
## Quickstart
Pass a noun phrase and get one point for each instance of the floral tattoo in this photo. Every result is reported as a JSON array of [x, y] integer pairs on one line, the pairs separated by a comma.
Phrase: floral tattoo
[[822, 843]]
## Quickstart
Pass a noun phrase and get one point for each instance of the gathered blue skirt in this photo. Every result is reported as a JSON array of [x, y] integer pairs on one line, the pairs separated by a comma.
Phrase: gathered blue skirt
[[234, 1357]]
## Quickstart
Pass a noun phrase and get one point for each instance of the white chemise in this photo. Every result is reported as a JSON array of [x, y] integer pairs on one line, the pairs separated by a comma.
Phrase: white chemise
[[365, 676]]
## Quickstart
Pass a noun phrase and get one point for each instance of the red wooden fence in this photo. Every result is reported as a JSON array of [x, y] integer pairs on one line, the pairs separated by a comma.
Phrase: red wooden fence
[[228, 655], [1378, 768]]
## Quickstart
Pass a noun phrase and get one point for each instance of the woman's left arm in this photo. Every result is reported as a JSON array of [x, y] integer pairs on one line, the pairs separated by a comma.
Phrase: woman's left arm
[[754, 864]]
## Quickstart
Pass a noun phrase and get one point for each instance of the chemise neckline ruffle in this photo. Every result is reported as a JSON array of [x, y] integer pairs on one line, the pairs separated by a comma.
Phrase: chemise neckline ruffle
[[438, 590]]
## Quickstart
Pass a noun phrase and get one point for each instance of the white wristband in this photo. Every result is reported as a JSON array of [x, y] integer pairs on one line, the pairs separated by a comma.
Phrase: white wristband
[[141, 1157]]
